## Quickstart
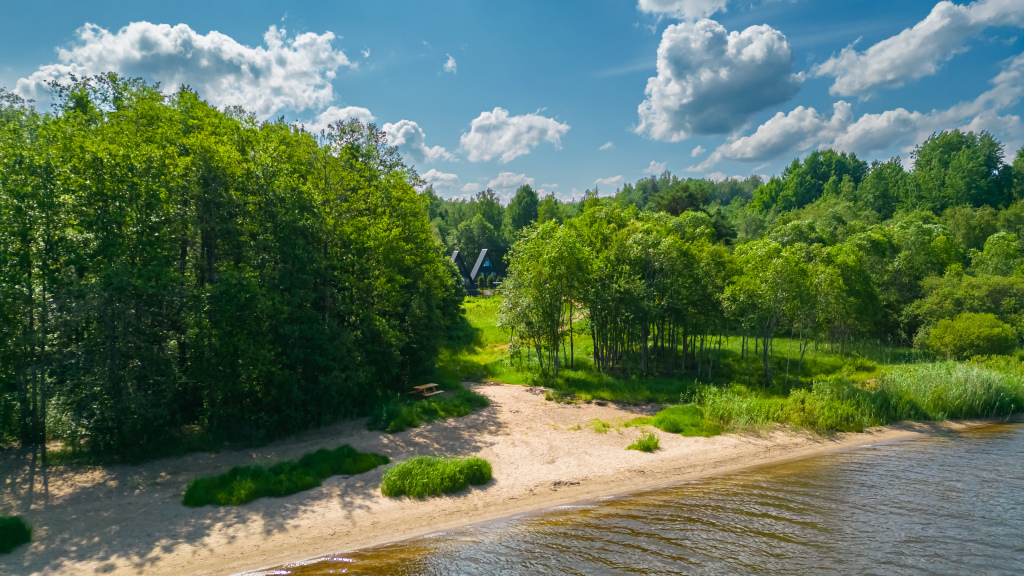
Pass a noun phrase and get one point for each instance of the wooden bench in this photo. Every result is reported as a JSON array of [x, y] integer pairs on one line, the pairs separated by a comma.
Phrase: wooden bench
[[427, 390]]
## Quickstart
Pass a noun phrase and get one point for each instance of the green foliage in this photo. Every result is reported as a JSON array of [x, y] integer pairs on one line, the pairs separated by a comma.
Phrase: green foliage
[[683, 419], [13, 533], [422, 476], [1001, 256], [956, 169], [971, 334], [244, 484], [647, 442], [165, 265], [923, 392], [400, 414]]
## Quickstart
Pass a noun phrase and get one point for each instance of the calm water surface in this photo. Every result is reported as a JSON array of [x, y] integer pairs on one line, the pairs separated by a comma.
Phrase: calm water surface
[[950, 504]]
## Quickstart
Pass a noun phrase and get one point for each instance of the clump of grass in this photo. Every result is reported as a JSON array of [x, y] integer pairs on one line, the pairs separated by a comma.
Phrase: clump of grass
[[647, 442], [244, 484], [13, 533], [400, 414], [683, 419], [422, 476], [599, 426]]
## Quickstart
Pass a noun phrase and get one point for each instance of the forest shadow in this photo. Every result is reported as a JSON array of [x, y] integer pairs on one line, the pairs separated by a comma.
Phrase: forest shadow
[[133, 513]]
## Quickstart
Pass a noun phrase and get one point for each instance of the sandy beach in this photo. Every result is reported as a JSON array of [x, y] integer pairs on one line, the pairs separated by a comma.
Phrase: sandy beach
[[130, 520]]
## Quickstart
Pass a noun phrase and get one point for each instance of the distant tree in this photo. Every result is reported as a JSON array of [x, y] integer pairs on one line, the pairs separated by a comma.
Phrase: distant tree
[[1001, 256], [679, 197], [957, 169], [522, 210]]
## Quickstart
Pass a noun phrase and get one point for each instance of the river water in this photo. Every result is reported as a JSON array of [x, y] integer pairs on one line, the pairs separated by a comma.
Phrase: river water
[[947, 504]]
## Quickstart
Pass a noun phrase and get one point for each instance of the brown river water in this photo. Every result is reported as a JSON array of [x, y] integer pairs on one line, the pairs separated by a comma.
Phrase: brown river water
[[952, 503]]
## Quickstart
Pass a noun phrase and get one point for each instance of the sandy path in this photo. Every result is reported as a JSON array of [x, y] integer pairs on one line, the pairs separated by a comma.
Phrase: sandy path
[[129, 519]]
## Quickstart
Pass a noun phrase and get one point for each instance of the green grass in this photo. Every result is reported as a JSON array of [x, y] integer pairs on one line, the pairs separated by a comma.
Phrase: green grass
[[13, 533], [866, 384], [422, 476], [403, 413], [647, 442], [926, 392], [485, 355], [683, 419], [244, 484]]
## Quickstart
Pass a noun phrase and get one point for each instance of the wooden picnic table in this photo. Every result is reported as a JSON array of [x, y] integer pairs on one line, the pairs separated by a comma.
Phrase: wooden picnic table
[[427, 390]]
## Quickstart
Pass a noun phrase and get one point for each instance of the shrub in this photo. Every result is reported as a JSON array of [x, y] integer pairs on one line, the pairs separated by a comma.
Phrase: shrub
[[647, 442], [244, 484], [422, 476], [970, 335], [13, 533]]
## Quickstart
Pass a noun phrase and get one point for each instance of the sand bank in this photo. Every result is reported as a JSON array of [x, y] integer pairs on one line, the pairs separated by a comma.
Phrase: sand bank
[[129, 519]]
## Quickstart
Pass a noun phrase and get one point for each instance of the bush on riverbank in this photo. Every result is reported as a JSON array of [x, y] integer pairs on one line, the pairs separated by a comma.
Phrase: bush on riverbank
[[13, 533], [647, 442], [422, 476], [244, 484]]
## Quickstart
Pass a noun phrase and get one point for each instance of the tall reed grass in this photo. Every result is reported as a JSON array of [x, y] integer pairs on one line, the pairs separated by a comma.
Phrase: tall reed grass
[[983, 388]]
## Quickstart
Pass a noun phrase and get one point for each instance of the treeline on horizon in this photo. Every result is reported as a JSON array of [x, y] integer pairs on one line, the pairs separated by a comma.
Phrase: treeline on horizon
[[166, 267], [831, 251]]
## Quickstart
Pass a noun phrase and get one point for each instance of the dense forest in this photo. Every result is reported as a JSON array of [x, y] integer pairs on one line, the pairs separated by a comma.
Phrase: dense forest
[[832, 251], [165, 266]]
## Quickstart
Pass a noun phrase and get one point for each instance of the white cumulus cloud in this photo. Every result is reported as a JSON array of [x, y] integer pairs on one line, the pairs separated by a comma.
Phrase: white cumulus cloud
[[697, 151], [441, 180], [450, 65], [804, 128], [506, 184], [611, 182], [919, 51], [684, 9], [334, 115], [286, 73], [495, 134], [411, 142], [607, 146], [710, 81], [655, 168]]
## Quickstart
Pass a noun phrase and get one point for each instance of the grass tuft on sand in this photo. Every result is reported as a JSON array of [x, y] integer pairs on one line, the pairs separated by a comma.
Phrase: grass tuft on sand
[[422, 476], [244, 484], [647, 442], [13, 533]]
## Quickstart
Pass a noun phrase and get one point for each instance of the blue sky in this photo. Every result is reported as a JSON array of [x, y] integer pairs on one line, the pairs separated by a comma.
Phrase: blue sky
[[564, 95]]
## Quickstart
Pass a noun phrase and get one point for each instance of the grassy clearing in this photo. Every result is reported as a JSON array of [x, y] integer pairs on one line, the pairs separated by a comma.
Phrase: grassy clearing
[[244, 484], [647, 442], [486, 356], [422, 476], [867, 384], [13, 533]]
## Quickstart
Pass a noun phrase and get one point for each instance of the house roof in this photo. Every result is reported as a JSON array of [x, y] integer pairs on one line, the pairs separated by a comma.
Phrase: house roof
[[479, 263]]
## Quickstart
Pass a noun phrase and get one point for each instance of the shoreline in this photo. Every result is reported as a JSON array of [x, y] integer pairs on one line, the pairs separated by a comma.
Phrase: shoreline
[[130, 520]]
